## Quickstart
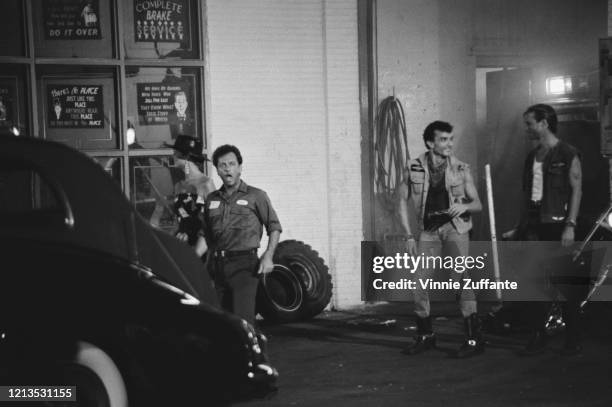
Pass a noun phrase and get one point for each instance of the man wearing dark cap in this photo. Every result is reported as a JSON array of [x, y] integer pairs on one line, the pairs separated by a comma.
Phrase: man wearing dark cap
[[234, 217], [191, 192]]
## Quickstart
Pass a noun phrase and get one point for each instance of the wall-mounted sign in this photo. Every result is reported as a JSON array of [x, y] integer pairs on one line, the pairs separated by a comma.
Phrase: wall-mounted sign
[[71, 20], [8, 102], [162, 21], [75, 106], [167, 104]]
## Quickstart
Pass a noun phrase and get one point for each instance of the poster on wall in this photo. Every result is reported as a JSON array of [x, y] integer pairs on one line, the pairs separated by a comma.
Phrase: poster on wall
[[75, 106], [162, 21], [9, 102], [169, 104], [71, 20]]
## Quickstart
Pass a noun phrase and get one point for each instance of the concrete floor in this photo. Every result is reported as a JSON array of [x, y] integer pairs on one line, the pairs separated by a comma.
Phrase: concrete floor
[[353, 359]]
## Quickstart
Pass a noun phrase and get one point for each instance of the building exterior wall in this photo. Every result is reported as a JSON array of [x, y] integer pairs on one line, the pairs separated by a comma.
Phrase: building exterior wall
[[424, 60], [283, 86], [283, 82]]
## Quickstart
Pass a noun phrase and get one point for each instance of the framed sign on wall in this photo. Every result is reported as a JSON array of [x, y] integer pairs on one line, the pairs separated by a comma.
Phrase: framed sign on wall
[[73, 28], [161, 29], [163, 103], [80, 110]]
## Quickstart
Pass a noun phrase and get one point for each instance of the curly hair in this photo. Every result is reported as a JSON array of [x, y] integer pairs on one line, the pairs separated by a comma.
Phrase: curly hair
[[225, 149]]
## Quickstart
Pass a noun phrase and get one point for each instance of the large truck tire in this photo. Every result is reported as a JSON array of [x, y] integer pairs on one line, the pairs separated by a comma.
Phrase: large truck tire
[[314, 275], [280, 295]]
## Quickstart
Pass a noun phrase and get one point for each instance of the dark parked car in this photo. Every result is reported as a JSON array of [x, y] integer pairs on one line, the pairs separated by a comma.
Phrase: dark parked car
[[92, 296]]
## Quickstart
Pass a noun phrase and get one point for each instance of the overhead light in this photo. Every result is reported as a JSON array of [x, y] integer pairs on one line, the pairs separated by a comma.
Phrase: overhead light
[[559, 85], [130, 134]]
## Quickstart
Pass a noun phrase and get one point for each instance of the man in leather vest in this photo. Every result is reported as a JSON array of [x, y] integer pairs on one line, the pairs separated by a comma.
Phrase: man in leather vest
[[444, 195], [552, 190]]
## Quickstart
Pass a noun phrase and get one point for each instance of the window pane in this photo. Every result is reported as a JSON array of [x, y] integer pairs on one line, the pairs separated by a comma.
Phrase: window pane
[[163, 103], [152, 180], [73, 28], [12, 28], [78, 106], [13, 101], [112, 166], [161, 29]]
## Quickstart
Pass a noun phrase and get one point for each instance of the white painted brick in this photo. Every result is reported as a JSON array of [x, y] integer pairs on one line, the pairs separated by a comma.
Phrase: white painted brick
[[290, 102]]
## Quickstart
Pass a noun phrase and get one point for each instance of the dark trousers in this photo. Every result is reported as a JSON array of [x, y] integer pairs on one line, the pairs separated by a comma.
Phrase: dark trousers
[[571, 306], [236, 282]]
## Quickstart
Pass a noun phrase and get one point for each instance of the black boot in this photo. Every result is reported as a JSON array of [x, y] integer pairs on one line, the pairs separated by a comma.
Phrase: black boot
[[424, 340], [536, 345], [474, 344]]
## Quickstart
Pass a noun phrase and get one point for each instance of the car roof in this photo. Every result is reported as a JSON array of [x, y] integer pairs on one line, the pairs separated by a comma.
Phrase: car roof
[[104, 219]]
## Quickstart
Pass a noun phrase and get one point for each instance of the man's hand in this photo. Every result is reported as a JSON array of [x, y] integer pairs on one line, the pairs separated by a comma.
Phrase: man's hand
[[201, 247], [182, 237], [411, 247], [457, 209], [266, 265], [510, 234], [567, 237]]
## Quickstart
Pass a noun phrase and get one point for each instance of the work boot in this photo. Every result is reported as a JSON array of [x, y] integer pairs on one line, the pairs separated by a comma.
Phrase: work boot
[[474, 344], [536, 345], [424, 340]]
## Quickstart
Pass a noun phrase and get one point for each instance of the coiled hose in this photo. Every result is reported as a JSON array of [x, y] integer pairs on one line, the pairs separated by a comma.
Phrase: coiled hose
[[390, 149]]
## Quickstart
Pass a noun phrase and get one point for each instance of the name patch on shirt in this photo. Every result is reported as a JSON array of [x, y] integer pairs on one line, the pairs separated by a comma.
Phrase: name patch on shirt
[[214, 204], [242, 202]]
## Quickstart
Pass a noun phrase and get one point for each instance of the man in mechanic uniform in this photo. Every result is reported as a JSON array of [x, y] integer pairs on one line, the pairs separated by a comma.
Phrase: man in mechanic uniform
[[444, 195], [234, 217]]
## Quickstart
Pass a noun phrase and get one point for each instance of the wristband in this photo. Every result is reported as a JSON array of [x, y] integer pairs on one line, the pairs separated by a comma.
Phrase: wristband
[[570, 223]]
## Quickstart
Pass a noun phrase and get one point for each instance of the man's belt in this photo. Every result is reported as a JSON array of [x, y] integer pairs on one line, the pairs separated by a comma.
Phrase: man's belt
[[435, 219], [535, 204], [233, 253], [438, 217]]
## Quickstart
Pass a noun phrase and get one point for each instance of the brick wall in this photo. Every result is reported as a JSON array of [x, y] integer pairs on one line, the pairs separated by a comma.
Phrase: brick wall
[[344, 151], [283, 85]]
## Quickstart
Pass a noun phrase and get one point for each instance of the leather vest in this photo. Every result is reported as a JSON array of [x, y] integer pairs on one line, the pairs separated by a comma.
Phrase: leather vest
[[557, 190]]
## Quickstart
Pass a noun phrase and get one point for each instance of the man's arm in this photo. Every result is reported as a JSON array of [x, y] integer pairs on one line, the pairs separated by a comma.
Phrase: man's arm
[[474, 204], [266, 264], [575, 180], [268, 218], [518, 230], [201, 247]]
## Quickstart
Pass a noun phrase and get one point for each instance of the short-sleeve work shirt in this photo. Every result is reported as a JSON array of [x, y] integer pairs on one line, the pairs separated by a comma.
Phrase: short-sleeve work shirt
[[236, 222]]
